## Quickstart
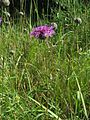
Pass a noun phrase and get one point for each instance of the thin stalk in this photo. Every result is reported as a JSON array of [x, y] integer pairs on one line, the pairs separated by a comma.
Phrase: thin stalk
[[49, 111]]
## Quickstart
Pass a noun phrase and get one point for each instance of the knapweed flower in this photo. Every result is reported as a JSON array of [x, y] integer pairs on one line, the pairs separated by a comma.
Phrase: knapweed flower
[[0, 20], [42, 31]]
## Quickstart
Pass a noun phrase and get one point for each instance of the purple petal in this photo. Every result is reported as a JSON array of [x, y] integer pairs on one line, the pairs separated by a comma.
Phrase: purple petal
[[43, 31], [0, 20]]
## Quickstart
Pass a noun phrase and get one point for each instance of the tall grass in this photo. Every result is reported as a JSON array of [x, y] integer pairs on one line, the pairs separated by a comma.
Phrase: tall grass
[[43, 82]]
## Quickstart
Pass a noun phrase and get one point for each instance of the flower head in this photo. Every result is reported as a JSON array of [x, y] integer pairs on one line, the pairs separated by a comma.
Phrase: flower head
[[42, 31]]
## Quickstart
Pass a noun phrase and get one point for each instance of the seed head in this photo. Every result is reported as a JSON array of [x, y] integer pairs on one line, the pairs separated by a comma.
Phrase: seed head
[[21, 13], [6, 2], [78, 20]]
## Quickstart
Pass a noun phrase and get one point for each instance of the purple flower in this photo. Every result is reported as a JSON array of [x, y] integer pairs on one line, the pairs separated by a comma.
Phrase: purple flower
[[42, 31], [0, 20]]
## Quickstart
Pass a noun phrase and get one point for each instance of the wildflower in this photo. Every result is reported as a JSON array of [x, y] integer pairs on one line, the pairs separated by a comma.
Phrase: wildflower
[[0, 20], [78, 20], [43, 31]]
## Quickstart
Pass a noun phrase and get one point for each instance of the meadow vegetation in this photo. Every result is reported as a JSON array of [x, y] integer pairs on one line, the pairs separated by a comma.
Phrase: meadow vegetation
[[40, 81]]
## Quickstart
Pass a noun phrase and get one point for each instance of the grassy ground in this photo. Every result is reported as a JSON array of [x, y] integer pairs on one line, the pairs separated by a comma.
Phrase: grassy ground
[[41, 82]]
